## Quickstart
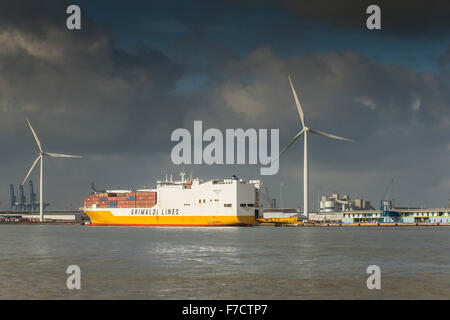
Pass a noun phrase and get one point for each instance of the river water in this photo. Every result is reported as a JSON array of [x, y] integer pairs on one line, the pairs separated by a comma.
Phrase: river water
[[223, 263]]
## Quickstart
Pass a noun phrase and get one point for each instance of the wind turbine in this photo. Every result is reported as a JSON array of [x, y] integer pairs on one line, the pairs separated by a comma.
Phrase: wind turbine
[[41, 158], [305, 130]]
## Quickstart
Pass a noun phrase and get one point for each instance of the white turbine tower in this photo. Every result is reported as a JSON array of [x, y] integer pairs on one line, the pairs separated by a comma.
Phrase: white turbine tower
[[41, 158], [305, 130]]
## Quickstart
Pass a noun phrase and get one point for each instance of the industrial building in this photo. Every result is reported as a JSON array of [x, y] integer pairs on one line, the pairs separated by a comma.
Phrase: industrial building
[[334, 203], [389, 214], [335, 209]]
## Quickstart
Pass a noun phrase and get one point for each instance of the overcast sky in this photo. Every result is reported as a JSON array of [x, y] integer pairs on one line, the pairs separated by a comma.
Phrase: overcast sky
[[137, 70]]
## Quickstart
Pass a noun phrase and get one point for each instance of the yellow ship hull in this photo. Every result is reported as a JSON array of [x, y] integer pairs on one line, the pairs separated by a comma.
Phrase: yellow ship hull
[[106, 218]]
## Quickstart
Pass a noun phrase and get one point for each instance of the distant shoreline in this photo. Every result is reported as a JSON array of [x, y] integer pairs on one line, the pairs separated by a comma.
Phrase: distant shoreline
[[270, 224], [43, 223]]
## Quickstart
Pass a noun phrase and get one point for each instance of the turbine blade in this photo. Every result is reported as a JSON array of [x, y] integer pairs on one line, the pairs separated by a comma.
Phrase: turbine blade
[[32, 167], [299, 107], [291, 142], [331, 135], [59, 155], [35, 136]]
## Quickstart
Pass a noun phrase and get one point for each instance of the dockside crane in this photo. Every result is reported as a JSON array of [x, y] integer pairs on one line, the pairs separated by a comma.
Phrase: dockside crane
[[281, 195], [21, 203], [94, 190], [265, 197], [389, 191], [22, 199], [13, 197], [386, 205], [33, 203]]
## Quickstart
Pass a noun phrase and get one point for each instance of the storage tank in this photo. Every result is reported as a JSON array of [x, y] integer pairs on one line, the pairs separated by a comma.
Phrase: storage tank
[[328, 205]]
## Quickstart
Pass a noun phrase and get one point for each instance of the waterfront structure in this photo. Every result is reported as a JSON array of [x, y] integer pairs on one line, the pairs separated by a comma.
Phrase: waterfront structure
[[329, 217], [404, 215], [49, 215]]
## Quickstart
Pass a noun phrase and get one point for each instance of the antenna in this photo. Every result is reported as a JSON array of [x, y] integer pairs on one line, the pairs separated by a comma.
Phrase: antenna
[[281, 195], [182, 174], [318, 200], [14, 198]]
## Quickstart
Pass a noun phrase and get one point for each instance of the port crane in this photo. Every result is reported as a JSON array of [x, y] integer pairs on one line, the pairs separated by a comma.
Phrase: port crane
[[386, 205], [22, 199], [94, 190], [21, 203], [33, 203], [13, 197], [267, 198]]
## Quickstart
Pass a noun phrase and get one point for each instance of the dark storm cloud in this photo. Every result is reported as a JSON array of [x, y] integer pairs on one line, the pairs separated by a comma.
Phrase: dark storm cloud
[[406, 16], [31, 15], [97, 98], [398, 116], [343, 85]]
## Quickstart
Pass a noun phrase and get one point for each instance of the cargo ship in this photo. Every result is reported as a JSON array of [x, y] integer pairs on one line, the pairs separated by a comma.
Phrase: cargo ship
[[186, 202]]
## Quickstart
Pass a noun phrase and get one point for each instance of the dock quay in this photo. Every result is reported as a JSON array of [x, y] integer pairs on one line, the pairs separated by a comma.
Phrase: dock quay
[[50, 216], [348, 225]]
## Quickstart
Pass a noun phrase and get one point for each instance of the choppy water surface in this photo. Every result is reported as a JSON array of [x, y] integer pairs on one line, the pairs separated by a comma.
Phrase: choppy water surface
[[223, 263]]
